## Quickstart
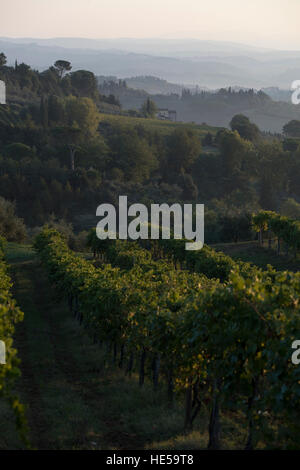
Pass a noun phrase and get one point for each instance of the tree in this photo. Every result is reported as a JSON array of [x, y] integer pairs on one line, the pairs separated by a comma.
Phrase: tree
[[85, 83], [133, 156], [233, 149], [273, 172], [25, 75], [113, 100], [44, 111], [290, 208], [267, 198], [207, 141], [62, 66], [95, 154], [18, 150], [292, 128], [184, 147], [72, 137], [189, 189], [11, 227], [56, 109], [82, 113], [291, 145], [245, 127], [149, 108], [3, 59]]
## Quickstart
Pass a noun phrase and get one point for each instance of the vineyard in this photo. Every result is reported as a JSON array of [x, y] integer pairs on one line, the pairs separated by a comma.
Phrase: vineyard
[[10, 314], [208, 332], [162, 127], [285, 229], [218, 331]]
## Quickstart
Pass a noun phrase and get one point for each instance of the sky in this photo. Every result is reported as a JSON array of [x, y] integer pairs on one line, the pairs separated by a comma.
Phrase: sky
[[267, 23]]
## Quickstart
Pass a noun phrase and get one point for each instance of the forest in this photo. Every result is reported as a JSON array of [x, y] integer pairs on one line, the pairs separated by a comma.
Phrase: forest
[[62, 139]]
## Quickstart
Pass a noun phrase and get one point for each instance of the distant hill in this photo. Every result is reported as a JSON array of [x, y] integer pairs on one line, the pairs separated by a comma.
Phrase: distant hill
[[213, 108], [165, 79], [153, 46], [277, 94], [212, 64], [152, 85]]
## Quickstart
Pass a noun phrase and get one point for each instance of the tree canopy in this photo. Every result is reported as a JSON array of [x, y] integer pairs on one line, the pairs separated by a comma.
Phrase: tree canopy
[[292, 128], [62, 66], [247, 129]]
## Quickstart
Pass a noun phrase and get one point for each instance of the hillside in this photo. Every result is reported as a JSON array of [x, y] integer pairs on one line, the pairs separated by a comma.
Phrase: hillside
[[163, 128], [215, 109]]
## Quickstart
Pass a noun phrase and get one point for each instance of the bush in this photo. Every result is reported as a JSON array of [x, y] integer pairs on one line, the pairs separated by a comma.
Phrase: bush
[[11, 226]]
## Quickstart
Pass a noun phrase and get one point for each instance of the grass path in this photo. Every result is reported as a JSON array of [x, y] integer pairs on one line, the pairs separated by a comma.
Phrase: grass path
[[62, 383]]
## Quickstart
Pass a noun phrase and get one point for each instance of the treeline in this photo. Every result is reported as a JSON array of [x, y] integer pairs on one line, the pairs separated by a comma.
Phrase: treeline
[[73, 168], [121, 89], [25, 85], [226, 346]]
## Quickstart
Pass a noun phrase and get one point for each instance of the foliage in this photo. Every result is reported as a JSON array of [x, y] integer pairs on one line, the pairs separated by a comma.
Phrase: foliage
[[226, 343], [284, 228], [10, 314], [149, 108], [62, 66], [11, 227], [245, 127], [292, 128]]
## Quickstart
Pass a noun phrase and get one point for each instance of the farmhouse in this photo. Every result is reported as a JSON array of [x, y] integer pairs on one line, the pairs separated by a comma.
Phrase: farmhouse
[[167, 114]]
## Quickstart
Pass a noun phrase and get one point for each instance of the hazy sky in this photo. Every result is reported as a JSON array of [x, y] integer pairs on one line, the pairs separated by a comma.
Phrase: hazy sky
[[259, 22]]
